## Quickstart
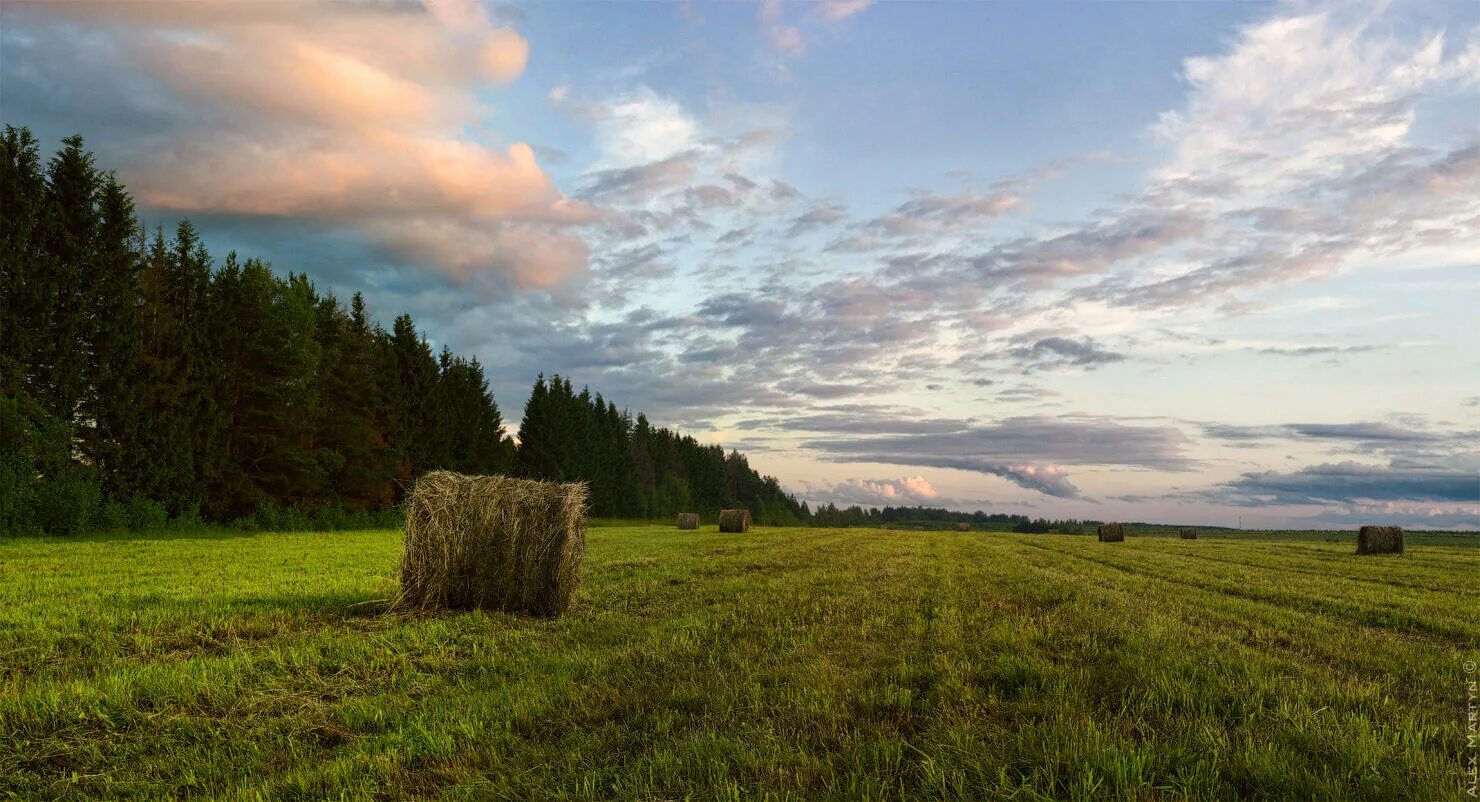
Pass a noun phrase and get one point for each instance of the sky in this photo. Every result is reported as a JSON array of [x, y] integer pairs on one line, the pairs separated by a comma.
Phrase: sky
[[1184, 262]]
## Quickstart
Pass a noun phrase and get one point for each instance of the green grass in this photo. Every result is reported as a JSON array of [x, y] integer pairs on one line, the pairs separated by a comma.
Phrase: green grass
[[782, 664]]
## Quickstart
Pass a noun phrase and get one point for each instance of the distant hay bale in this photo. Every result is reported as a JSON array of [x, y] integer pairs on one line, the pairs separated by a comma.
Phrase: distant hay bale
[[688, 520], [1111, 533], [734, 520], [492, 543], [1380, 540], [963, 527], [1188, 533]]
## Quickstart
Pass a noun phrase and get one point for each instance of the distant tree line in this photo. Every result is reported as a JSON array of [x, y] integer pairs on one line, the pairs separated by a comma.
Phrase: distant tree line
[[635, 470], [141, 382], [856, 515]]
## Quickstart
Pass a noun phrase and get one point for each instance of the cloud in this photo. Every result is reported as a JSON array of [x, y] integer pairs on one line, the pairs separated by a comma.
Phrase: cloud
[[1370, 434], [1367, 432], [641, 181], [839, 10], [306, 113], [642, 127], [819, 215], [1353, 482], [1028, 451], [1050, 352], [909, 491], [1320, 350], [1050, 480], [1303, 97], [1091, 249], [941, 215], [785, 39], [1296, 150], [1410, 516]]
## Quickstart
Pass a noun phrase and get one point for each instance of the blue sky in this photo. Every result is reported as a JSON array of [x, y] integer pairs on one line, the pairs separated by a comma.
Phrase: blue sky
[[1197, 262]]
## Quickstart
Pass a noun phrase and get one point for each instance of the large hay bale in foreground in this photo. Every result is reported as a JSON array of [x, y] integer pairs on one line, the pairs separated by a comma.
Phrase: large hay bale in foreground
[[492, 543], [1188, 533], [1380, 540], [1111, 533], [963, 527], [688, 520], [734, 520]]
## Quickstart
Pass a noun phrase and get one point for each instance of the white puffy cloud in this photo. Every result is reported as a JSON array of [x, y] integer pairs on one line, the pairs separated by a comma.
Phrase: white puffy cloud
[[642, 127]]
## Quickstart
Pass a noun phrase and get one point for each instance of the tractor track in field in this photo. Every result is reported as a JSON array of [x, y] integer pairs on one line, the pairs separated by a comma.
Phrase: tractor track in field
[[1424, 561], [1314, 572], [1443, 637], [1177, 561], [1229, 625]]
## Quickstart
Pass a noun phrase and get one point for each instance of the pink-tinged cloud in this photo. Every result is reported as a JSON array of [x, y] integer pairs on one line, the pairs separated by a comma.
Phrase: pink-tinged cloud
[[839, 10], [786, 40], [503, 56], [366, 116], [907, 491]]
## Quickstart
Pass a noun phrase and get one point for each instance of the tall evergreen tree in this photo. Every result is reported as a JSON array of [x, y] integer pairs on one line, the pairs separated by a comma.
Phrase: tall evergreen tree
[[265, 391], [358, 463], [112, 442]]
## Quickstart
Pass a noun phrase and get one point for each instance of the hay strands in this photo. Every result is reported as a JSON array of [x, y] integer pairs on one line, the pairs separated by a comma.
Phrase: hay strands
[[492, 543], [1380, 540], [734, 520], [1111, 533]]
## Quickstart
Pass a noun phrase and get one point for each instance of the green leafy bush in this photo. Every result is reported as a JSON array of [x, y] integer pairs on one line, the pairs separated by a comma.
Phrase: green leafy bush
[[68, 502], [146, 515]]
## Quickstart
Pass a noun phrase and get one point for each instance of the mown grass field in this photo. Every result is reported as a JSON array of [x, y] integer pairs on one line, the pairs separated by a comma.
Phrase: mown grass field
[[781, 664]]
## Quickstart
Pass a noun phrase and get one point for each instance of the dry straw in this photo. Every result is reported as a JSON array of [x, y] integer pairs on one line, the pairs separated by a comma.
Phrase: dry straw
[[688, 520], [1188, 533], [1111, 533], [963, 527], [493, 543], [734, 520], [1380, 540]]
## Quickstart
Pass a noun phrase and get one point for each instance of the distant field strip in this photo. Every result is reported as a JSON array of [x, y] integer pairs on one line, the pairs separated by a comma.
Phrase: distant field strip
[[781, 664]]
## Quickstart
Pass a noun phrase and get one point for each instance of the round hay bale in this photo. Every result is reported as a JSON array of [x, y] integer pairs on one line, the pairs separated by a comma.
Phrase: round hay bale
[[963, 527], [492, 543], [1111, 533], [1188, 533], [734, 520], [1380, 540], [688, 520]]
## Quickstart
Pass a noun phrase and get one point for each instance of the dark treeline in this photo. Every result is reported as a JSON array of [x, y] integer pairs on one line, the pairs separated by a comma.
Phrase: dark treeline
[[830, 515], [140, 381], [635, 470]]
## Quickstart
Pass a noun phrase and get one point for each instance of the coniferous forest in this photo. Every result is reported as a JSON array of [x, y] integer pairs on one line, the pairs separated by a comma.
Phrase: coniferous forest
[[142, 382]]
